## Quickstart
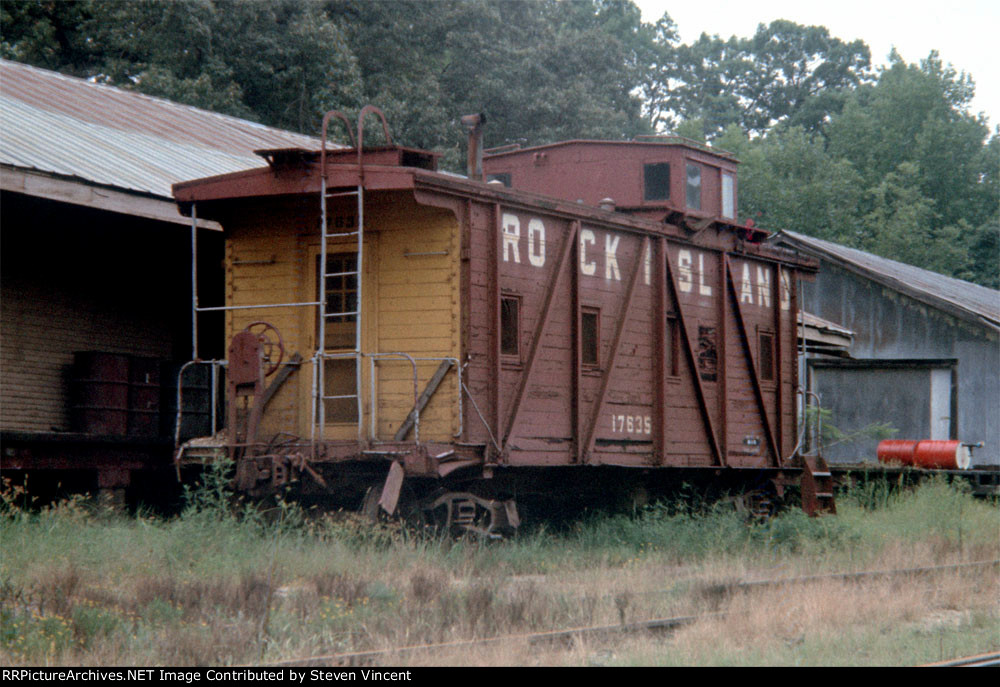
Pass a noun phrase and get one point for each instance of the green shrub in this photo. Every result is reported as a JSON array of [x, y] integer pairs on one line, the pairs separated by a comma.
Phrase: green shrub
[[92, 622]]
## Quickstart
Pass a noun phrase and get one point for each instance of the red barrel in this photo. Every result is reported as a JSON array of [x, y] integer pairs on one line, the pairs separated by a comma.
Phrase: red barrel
[[896, 451], [942, 455], [100, 393], [143, 397]]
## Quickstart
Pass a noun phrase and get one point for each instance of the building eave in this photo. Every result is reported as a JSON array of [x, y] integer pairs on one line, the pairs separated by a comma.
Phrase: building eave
[[923, 296], [75, 191]]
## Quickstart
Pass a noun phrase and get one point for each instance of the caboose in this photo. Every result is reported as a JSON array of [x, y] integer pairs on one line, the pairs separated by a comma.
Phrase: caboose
[[584, 317]]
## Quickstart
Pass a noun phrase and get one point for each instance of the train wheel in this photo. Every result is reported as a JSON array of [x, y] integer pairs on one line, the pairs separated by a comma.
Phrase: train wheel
[[757, 504], [464, 513]]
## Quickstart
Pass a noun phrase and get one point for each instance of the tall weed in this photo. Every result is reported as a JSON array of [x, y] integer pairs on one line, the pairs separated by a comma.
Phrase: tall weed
[[275, 581], [212, 496]]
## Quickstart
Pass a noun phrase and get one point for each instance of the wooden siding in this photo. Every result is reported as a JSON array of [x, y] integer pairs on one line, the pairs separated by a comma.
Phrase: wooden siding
[[77, 279], [613, 418], [418, 314], [410, 303], [42, 327]]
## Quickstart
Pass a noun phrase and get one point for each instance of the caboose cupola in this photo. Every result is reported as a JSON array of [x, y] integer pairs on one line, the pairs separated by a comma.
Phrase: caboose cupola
[[656, 177]]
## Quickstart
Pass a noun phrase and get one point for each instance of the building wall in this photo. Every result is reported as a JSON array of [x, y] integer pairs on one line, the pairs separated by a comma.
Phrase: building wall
[[889, 325], [75, 279]]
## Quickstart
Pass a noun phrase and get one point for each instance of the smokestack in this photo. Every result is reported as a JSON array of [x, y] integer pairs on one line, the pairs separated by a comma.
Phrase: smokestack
[[473, 123]]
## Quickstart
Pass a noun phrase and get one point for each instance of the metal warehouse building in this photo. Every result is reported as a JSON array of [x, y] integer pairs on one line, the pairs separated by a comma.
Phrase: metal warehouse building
[[925, 355]]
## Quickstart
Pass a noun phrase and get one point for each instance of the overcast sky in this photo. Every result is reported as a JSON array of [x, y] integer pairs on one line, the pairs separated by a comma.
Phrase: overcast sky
[[964, 32]]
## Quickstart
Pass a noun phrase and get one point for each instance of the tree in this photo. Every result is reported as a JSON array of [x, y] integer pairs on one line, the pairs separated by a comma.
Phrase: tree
[[45, 34], [707, 83], [785, 73], [801, 75], [901, 225], [540, 70], [895, 165], [789, 181], [925, 161], [281, 62]]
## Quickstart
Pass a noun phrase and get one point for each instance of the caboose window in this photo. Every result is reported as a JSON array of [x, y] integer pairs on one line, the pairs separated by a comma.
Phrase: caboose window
[[728, 197], [510, 311], [341, 299], [673, 346], [590, 337], [340, 283], [693, 186], [656, 181], [766, 340]]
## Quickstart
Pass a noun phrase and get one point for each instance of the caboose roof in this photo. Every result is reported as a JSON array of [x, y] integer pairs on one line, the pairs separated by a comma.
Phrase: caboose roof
[[640, 141], [303, 177]]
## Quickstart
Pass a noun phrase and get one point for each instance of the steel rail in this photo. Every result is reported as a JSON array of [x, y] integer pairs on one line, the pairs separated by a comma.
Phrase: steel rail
[[863, 575], [866, 574], [991, 659], [662, 624]]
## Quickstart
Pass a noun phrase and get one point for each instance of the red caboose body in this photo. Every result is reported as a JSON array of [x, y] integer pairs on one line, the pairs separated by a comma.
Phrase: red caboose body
[[459, 343]]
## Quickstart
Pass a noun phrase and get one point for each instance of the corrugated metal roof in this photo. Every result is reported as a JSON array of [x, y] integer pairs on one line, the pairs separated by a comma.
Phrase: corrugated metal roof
[[71, 127], [974, 301]]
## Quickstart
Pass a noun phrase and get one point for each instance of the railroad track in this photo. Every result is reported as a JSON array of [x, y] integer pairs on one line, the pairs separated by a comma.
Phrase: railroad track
[[567, 635], [863, 575], [654, 625], [990, 660]]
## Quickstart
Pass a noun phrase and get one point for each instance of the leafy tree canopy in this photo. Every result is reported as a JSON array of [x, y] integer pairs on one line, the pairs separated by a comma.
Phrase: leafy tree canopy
[[890, 161]]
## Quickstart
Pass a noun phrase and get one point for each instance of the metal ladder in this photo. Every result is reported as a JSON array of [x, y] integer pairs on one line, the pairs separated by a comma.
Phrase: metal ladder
[[322, 355]]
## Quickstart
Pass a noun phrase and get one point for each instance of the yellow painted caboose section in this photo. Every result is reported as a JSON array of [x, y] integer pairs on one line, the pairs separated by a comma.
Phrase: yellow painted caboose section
[[410, 304]]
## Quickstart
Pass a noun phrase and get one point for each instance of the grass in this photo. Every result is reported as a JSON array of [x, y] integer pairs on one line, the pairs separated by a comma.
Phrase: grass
[[225, 584]]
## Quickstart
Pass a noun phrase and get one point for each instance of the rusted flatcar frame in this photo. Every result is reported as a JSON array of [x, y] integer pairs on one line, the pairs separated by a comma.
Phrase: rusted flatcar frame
[[751, 363], [536, 339], [598, 408], [706, 415], [660, 320]]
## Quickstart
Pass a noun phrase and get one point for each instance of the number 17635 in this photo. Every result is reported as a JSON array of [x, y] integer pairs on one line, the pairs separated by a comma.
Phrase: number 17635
[[631, 424]]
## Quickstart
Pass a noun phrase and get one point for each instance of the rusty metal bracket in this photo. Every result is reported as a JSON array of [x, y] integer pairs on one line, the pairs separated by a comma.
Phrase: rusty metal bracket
[[577, 356], [304, 466], [660, 320], [287, 371], [421, 403], [493, 285], [392, 487]]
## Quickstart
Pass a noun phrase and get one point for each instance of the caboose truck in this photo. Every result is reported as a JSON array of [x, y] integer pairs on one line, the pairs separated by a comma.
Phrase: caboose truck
[[436, 345]]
